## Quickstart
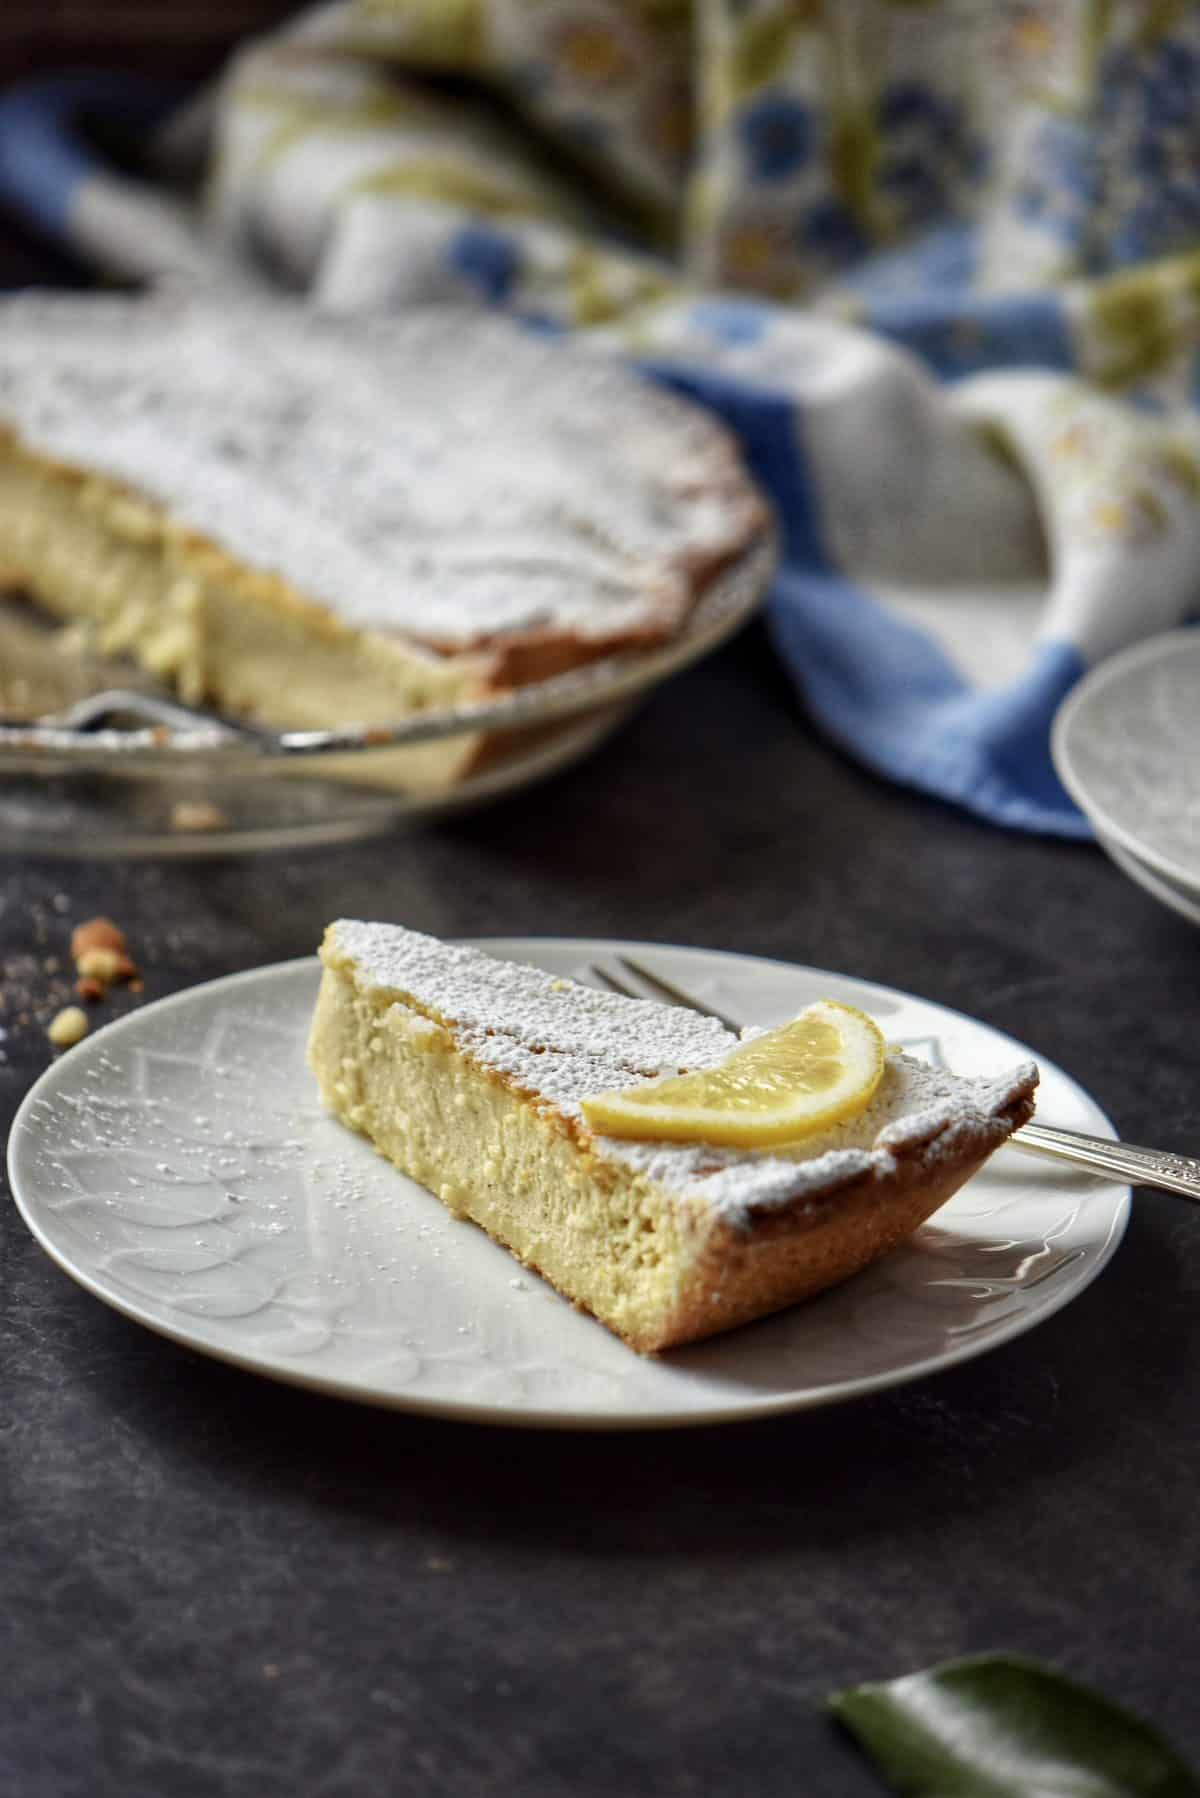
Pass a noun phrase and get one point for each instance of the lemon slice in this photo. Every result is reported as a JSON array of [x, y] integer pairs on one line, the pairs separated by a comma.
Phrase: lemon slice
[[822, 1067]]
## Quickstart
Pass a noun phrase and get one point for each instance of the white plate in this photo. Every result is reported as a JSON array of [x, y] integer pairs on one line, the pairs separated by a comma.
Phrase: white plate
[[1126, 744], [178, 1166]]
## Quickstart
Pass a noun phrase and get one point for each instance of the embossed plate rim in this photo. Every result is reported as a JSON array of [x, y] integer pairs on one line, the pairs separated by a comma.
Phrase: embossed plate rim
[[1113, 1204]]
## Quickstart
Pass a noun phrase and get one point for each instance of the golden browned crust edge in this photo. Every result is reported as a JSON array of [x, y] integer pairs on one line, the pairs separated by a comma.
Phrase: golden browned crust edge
[[781, 1259], [817, 1242]]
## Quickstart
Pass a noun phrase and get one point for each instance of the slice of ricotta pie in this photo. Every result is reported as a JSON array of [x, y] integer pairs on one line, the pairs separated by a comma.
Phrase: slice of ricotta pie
[[310, 520], [470, 1074]]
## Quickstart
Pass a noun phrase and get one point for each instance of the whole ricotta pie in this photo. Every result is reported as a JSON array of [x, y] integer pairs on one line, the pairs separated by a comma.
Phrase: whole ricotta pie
[[470, 1073], [309, 520]]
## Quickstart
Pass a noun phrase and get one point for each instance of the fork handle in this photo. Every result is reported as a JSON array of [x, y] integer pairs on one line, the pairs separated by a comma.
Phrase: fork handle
[[1141, 1167]]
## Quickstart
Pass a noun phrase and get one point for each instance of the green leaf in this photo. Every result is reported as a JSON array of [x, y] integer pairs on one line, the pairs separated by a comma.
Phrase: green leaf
[[994, 1726]]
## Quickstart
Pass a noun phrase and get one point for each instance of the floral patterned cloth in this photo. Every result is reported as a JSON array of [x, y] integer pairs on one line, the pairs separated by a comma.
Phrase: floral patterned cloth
[[937, 261]]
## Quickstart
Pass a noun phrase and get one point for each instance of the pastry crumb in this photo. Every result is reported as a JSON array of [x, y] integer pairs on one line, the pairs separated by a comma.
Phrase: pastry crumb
[[198, 814], [97, 933], [105, 965], [101, 956], [67, 1027]]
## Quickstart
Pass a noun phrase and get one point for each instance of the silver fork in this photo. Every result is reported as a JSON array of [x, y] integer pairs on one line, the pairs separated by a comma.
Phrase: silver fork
[[1118, 1160]]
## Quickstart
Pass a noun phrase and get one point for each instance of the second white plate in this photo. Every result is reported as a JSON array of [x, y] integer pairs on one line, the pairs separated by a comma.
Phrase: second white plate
[[1126, 744], [178, 1166]]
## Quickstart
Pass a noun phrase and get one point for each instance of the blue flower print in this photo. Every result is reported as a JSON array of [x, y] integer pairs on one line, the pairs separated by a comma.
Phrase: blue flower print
[[777, 136], [1148, 104], [1149, 90], [829, 228], [911, 179], [1172, 83], [910, 108], [489, 259], [926, 152], [1150, 157], [1163, 223]]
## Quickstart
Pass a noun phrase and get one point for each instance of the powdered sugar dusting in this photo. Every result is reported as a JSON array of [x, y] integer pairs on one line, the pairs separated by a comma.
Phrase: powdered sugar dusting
[[442, 475], [520, 1020], [563, 1043]]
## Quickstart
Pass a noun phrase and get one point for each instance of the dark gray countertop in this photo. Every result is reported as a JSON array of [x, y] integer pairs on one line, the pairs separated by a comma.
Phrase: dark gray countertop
[[216, 1585]]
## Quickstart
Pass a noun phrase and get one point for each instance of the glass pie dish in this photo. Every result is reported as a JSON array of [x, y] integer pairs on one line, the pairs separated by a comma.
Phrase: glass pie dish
[[96, 759]]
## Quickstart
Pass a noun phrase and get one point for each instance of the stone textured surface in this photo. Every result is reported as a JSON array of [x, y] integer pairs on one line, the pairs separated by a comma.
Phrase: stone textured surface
[[218, 1586], [214, 1586]]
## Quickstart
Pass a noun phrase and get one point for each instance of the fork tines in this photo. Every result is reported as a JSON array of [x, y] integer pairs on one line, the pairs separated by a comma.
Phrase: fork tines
[[660, 987]]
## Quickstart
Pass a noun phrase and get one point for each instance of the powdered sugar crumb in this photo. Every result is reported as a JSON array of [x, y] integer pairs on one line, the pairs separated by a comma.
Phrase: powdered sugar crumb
[[563, 1043]]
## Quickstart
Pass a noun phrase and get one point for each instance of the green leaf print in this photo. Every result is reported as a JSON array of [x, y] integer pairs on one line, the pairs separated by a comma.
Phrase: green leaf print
[[1129, 317], [762, 47]]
